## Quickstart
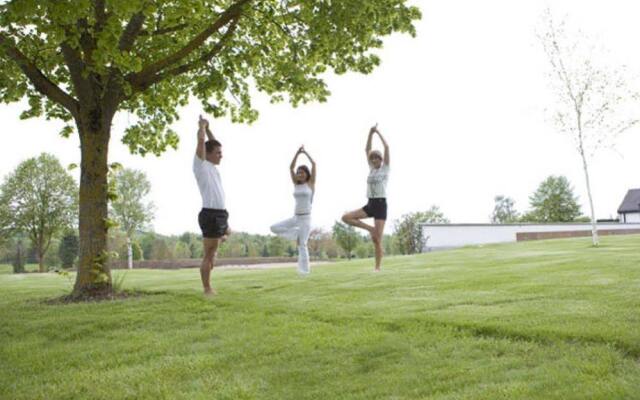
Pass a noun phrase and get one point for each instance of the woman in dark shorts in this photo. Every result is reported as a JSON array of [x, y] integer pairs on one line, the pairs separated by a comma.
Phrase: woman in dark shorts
[[376, 207]]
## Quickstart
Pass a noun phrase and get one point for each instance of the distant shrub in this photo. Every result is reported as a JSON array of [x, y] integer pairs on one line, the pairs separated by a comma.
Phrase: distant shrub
[[68, 250]]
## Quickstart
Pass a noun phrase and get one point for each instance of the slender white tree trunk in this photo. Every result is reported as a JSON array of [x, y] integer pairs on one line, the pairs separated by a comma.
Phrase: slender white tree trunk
[[585, 167], [129, 253], [594, 226]]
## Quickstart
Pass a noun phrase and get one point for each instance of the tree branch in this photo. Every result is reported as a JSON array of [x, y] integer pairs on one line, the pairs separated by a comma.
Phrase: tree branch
[[164, 31], [100, 14], [37, 78], [76, 67], [86, 41], [139, 79], [204, 58], [131, 32]]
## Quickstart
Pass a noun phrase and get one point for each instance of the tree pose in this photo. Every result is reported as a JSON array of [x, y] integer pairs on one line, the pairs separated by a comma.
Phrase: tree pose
[[298, 227], [376, 207]]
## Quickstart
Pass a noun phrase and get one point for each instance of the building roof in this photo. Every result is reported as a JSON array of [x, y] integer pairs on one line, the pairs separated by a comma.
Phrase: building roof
[[631, 202]]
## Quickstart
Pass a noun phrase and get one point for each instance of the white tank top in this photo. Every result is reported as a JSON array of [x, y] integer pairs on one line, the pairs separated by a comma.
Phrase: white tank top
[[304, 196]]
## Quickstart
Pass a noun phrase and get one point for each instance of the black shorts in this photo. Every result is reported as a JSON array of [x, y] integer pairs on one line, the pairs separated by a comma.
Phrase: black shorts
[[376, 208], [213, 223]]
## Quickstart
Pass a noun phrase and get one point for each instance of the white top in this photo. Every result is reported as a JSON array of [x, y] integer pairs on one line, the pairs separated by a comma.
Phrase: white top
[[209, 183], [377, 182], [304, 196]]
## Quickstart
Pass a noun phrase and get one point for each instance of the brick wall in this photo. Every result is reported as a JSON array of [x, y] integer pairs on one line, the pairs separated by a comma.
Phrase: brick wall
[[523, 236]]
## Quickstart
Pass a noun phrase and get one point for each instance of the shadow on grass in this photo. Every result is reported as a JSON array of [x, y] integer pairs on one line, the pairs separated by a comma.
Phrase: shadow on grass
[[111, 296]]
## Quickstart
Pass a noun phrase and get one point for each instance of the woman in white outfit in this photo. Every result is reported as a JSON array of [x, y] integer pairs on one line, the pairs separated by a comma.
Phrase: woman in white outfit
[[299, 226]]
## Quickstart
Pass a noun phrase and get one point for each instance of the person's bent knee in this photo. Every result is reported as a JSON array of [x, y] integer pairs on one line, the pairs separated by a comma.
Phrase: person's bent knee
[[346, 219], [210, 253]]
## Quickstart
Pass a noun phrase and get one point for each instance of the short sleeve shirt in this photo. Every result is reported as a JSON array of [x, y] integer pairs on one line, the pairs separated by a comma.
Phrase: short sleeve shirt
[[377, 182], [209, 182]]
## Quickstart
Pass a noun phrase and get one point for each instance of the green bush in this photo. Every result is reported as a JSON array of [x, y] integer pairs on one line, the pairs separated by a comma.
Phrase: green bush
[[136, 251]]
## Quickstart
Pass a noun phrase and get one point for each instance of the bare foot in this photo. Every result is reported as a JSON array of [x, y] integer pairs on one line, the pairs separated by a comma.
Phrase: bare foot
[[210, 292], [377, 269]]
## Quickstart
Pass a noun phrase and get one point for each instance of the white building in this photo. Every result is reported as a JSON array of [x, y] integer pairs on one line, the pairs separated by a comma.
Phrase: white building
[[629, 210], [443, 236]]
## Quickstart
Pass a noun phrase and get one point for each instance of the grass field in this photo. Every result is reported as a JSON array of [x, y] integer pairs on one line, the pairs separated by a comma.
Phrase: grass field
[[539, 320]]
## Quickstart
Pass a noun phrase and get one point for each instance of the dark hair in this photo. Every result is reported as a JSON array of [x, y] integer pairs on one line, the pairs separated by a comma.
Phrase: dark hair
[[210, 145], [306, 170]]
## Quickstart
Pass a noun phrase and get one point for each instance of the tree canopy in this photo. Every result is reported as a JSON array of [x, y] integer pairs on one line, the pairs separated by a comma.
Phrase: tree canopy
[[504, 211], [554, 201], [130, 208], [149, 57]]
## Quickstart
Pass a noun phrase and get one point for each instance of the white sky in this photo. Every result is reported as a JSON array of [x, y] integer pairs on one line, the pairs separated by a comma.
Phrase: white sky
[[462, 107]]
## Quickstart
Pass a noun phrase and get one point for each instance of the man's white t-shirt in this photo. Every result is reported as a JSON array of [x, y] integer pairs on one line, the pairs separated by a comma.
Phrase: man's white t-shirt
[[209, 183]]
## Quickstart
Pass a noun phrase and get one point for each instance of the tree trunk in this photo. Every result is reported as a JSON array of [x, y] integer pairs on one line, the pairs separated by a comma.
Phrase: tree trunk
[[41, 260], [94, 277], [129, 253], [594, 226], [18, 264]]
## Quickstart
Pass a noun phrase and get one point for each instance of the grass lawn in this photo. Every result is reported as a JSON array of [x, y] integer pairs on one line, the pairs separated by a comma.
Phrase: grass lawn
[[539, 320], [5, 268]]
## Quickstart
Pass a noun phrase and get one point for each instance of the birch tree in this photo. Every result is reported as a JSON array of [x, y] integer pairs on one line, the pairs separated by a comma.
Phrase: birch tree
[[594, 102]]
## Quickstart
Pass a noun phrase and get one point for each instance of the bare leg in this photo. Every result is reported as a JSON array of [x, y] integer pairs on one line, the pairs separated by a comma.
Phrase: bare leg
[[376, 236], [210, 250], [353, 218]]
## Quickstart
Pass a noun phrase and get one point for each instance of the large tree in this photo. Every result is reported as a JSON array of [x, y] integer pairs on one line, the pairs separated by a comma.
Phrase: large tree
[[85, 60], [130, 207], [40, 198], [595, 102]]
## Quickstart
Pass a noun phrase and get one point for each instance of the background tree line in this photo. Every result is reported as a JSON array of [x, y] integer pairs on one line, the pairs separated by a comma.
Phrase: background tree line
[[553, 201], [39, 213]]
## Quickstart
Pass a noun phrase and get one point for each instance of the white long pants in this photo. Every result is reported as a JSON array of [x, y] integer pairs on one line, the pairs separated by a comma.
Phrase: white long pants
[[297, 228]]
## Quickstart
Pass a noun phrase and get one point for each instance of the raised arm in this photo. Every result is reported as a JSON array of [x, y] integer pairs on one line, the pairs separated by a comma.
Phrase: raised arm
[[202, 127], [369, 140], [312, 179], [292, 167], [209, 133], [386, 148]]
